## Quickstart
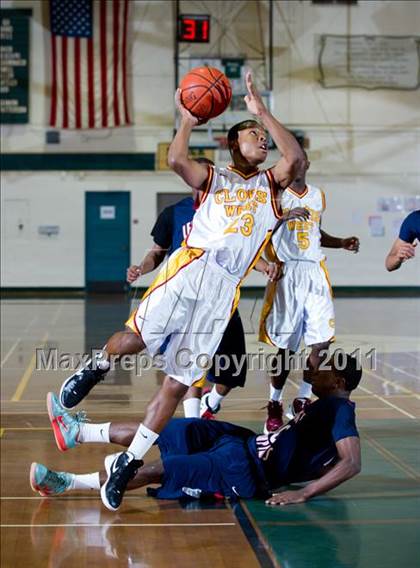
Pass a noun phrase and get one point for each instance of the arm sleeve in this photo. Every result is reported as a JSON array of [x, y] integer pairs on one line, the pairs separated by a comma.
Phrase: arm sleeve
[[409, 231], [345, 423], [163, 228]]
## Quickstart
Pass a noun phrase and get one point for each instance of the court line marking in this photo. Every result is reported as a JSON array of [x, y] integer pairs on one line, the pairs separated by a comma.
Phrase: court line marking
[[398, 369], [397, 494], [23, 383], [388, 382], [13, 347], [320, 522], [54, 319], [410, 354], [120, 525], [33, 320], [391, 457], [261, 538], [387, 402]]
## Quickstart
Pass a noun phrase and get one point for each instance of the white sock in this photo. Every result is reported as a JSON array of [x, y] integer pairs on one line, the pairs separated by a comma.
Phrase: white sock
[[86, 481], [214, 398], [275, 394], [305, 390], [102, 362], [191, 407], [89, 433], [142, 442]]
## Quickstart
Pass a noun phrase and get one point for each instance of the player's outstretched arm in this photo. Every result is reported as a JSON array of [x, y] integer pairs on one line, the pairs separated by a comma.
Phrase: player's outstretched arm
[[193, 173], [152, 260], [349, 243], [348, 465], [399, 253], [292, 155]]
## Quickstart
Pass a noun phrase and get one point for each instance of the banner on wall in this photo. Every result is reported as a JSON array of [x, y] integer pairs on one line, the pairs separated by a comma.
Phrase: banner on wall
[[14, 78], [89, 64], [369, 62]]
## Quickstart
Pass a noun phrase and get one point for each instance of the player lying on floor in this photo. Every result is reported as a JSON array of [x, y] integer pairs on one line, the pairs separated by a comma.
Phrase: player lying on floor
[[201, 457]]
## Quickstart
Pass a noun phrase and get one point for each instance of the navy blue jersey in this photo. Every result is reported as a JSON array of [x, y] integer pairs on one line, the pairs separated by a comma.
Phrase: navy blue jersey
[[301, 449], [173, 224], [410, 228]]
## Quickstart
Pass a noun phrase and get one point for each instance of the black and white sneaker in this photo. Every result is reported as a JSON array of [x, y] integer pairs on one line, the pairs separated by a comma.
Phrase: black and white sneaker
[[75, 388], [120, 468]]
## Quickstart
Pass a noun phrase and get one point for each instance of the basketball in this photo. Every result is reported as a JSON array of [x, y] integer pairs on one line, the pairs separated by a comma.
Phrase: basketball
[[205, 92]]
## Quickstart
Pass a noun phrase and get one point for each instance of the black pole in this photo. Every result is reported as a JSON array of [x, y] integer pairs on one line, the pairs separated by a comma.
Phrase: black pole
[[176, 46], [176, 54]]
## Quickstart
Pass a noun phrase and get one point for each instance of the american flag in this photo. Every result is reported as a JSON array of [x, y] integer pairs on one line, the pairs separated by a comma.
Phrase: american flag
[[89, 63]]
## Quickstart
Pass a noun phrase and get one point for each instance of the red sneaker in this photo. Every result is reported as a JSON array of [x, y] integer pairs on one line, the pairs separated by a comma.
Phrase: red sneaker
[[208, 415], [298, 405], [274, 416]]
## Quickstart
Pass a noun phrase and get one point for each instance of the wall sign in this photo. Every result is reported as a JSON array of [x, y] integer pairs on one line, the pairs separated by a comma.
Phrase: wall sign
[[14, 78], [370, 62], [107, 212]]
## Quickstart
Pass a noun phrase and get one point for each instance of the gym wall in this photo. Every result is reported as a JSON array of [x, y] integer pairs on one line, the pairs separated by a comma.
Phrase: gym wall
[[364, 145]]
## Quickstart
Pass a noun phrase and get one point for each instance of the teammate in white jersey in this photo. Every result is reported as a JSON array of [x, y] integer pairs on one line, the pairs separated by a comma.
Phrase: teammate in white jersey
[[299, 305], [191, 300]]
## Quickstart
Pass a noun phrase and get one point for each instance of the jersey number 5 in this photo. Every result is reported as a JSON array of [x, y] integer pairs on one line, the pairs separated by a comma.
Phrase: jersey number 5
[[303, 239], [246, 226]]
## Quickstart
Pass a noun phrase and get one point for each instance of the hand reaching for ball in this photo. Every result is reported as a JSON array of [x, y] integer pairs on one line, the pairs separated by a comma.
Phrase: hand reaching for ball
[[253, 100], [185, 113]]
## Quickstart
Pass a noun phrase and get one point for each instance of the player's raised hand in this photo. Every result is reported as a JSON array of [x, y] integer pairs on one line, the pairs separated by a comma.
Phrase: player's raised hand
[[287, 498], [297, 213], [253, 100], [351, 244], [185, 113], [133, 272]]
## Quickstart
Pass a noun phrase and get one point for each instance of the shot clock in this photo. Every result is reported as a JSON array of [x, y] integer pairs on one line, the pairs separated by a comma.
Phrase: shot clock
[[194, 28]]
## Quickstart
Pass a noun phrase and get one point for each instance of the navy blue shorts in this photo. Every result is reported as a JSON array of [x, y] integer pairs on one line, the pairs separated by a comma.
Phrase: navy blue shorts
[[202, 457]]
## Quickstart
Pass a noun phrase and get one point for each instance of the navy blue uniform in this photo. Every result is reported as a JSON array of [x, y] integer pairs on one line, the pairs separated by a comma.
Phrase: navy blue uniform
[[204, 457], [410, 228], [170, 230], [304, 447]]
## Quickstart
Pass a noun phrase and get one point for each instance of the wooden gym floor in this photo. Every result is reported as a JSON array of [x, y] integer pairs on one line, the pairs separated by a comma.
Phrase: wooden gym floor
[[370, 521]]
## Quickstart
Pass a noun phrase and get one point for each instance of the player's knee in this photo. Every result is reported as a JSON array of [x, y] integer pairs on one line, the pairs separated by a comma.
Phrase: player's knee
[[125, 342], [173, 388]]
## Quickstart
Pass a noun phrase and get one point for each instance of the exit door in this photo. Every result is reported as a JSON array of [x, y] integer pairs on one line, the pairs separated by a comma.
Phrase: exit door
[[107, 240]]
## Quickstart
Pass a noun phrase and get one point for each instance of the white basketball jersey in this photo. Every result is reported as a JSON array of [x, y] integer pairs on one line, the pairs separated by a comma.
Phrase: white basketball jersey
[[301, 240], [235, 218]]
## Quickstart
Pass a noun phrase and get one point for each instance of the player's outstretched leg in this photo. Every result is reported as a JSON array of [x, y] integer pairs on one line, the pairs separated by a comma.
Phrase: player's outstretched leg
[[120, 467], [71, 430], [75, 388], [274, 419], [49, 483]]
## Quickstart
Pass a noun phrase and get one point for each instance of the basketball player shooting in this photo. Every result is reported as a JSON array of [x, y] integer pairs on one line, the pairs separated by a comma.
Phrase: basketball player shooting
[[191, 301]]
